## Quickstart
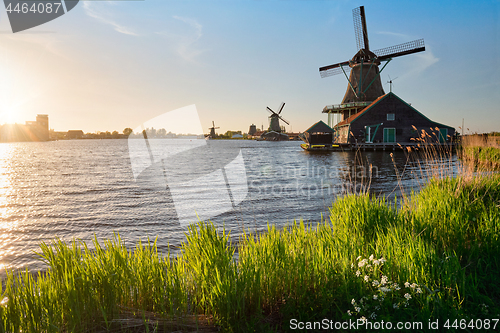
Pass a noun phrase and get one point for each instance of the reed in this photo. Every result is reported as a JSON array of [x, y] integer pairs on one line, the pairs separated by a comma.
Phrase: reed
[[481, 151]]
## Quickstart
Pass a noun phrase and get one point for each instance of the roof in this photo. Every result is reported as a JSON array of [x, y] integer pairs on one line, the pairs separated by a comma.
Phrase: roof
[[319, 127], [375, 102], [356, 115]]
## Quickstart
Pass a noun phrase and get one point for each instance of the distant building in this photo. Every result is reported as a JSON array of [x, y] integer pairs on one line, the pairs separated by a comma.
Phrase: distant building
[[32, 131], [74, 134]]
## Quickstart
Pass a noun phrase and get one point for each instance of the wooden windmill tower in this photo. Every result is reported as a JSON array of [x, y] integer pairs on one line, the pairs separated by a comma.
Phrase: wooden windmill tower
[[274, 131], [274, 119], [364, 84], [212, 130]]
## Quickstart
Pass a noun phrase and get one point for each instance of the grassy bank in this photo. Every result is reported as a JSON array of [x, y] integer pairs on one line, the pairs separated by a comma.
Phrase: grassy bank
[[435, 257], [481, 151]]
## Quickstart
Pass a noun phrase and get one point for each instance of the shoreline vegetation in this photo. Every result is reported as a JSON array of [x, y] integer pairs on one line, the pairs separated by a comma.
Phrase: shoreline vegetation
[[431, 255]]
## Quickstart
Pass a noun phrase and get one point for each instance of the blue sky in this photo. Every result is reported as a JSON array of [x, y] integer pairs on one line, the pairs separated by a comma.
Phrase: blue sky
[[107, 65]]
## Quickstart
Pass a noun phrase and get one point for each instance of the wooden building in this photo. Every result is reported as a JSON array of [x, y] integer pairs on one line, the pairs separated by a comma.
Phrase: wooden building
[[318, 134], [389, 119]]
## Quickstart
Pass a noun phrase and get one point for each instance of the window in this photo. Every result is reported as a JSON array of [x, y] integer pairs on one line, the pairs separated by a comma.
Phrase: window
[[390, 116], [390, 135], [443, 135]]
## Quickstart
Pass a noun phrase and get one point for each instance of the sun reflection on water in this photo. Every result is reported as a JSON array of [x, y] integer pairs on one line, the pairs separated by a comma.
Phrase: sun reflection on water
[[6, 209]]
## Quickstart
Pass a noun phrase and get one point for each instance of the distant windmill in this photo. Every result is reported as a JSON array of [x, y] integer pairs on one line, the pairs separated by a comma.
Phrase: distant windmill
[[212, 130], [364, 80], [274, 124], [390, 82]]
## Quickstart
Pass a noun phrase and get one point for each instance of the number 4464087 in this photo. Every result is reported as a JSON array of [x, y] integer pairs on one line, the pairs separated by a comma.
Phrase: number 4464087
[[479, 324], [41, 7]]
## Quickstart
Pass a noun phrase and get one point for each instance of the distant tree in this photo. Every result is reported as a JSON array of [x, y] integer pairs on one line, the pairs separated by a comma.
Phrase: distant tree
[[127, 131], [114, 133], [151, 132], [162, 132]]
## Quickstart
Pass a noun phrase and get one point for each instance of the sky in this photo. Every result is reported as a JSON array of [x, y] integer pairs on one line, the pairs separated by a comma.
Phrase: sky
[[108, 65]]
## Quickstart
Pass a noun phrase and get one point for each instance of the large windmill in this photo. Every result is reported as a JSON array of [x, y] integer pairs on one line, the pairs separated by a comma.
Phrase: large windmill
[[274, 132], [364, 83]]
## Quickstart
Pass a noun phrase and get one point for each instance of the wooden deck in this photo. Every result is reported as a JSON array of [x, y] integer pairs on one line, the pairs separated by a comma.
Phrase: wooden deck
[[385, 146]]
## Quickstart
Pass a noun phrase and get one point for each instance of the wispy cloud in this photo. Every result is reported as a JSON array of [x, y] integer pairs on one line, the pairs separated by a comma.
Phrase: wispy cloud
[[422, 61], [92, 11], [395, 34], [185, 43]]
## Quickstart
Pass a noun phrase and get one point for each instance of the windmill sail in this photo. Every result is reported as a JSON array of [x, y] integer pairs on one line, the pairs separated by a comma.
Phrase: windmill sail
[[400, 49], [360, 30]]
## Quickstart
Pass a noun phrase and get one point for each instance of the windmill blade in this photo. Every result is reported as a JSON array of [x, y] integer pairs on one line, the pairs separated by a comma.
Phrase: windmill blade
[[284, 120], [360, 30], [334, 69], [270, 110], [281, 107], [400, 49]]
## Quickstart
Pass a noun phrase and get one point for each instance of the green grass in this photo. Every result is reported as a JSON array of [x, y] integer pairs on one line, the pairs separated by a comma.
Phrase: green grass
[[483, 157], [437, 256]]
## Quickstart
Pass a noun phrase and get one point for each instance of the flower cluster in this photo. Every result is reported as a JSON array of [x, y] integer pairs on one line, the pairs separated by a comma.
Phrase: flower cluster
[[384, 293]]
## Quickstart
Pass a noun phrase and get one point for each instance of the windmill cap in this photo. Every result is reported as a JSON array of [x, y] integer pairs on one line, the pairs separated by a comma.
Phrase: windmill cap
[[365, 56]]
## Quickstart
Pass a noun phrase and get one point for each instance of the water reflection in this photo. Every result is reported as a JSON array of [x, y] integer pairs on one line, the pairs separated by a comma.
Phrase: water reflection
[[7, 225]]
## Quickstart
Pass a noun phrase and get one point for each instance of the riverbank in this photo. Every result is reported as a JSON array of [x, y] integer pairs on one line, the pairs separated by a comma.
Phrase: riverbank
[[434, 258], [481, 151]]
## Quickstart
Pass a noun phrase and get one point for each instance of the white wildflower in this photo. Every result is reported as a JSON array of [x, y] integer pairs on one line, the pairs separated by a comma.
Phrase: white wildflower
[[363, 319], [362, 263], [395, 306], [358, 273], [373, 315], [414, 285], [384, 280], [375, 296], [375, 283], [382, 260], [367, 279], [407, 296], [384, 289], [419, 291], [357, 308], [353, 302], [407, 284], [352, 265], [371, 257], [349, 312], [358, 258], [376, 262]]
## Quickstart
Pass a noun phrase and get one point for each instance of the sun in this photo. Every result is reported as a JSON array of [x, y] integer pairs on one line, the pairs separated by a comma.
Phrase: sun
[[7, 115]]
